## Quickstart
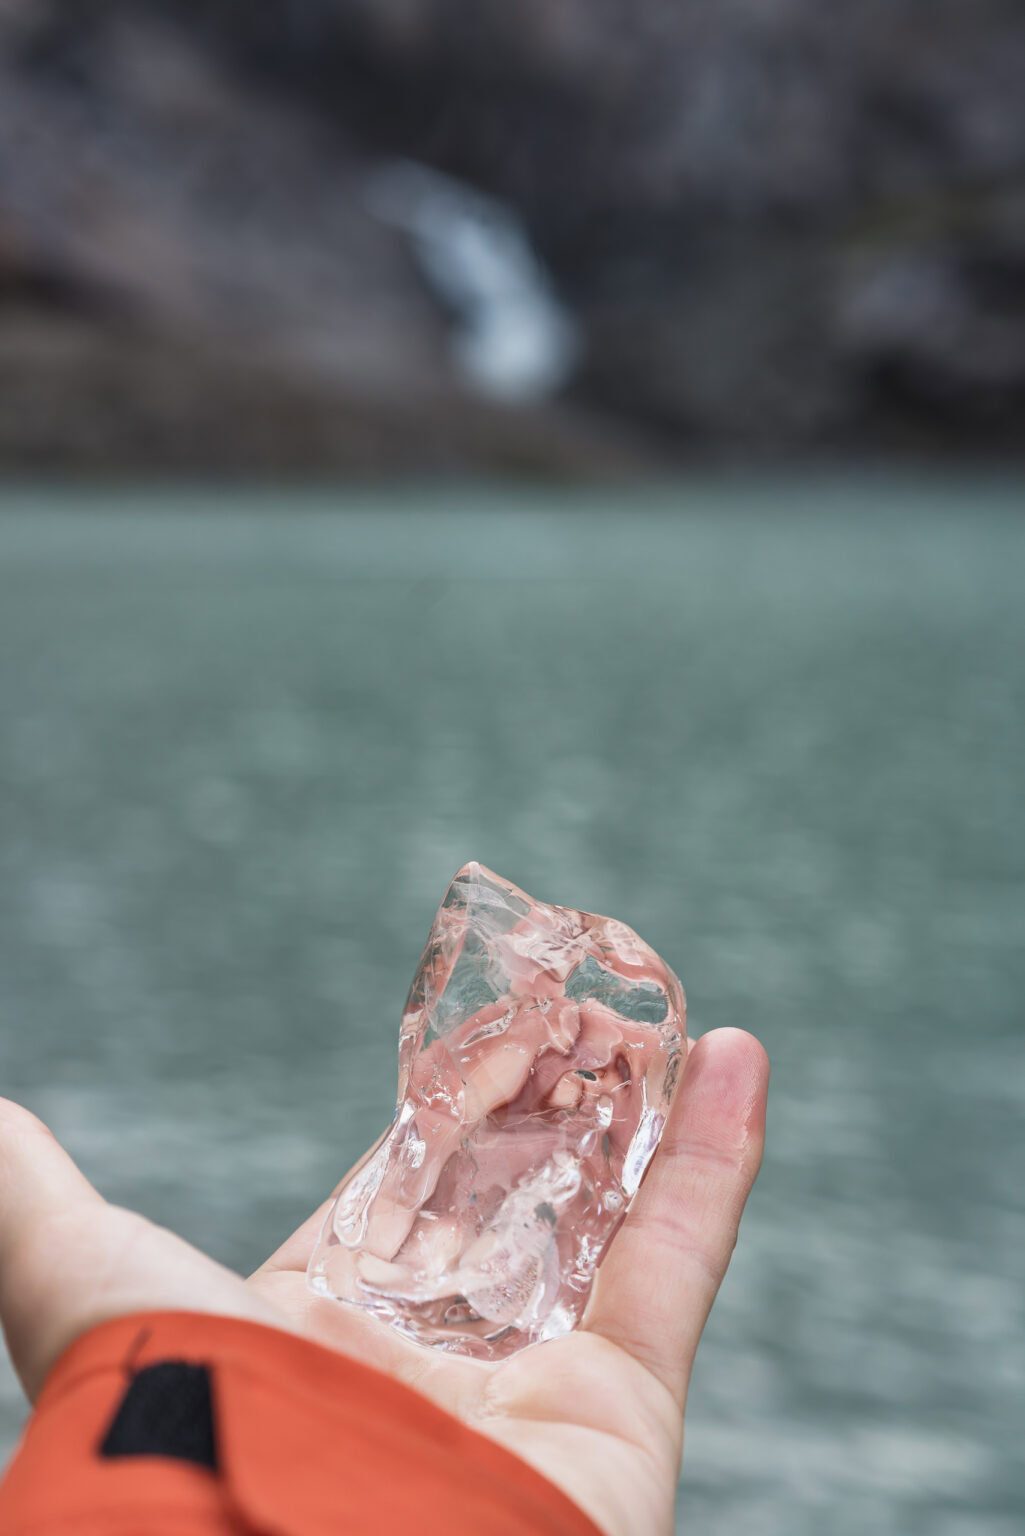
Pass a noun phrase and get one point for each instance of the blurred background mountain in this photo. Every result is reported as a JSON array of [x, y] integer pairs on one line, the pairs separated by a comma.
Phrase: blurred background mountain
[[563, 237]]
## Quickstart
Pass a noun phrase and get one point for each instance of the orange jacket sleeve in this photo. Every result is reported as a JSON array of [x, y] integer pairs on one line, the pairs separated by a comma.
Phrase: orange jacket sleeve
[[185, 1424]]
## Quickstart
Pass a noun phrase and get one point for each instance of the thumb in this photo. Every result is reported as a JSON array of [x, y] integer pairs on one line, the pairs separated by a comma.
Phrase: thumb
[[41, 1191], [68, 1260]]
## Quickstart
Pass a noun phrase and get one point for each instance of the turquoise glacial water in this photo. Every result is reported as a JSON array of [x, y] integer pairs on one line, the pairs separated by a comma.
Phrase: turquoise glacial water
[[245, 740]]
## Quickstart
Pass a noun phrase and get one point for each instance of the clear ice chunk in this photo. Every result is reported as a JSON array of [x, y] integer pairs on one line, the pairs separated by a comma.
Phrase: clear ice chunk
[[538, 1054]]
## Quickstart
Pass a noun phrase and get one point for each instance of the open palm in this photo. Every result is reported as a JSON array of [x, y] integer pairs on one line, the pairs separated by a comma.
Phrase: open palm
[[599, 1412]]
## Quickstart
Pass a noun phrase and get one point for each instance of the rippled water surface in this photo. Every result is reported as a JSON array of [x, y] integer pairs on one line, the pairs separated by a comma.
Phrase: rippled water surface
[[244, 743]]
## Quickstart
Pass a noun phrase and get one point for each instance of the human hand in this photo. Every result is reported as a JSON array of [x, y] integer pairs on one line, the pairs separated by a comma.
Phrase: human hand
[[599, 1412]]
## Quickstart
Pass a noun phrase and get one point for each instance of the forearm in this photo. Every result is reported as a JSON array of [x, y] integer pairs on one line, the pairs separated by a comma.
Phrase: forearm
[[186, 1423]]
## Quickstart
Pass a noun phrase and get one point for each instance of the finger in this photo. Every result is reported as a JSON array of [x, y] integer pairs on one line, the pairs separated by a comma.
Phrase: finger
[[660, 1277], [37, 1177], [40, 1187], [294, 1253], [68, 1260]]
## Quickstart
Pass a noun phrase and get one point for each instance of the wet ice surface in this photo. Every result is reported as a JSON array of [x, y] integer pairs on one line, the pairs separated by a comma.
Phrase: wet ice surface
[[539, 1052], [241, 754]]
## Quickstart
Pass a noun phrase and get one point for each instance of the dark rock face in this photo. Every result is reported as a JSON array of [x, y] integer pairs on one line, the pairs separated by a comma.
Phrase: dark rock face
[[780, 226]]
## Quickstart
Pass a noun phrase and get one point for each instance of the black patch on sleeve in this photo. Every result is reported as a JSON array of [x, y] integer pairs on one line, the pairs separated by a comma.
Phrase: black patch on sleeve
[[166, 1411]]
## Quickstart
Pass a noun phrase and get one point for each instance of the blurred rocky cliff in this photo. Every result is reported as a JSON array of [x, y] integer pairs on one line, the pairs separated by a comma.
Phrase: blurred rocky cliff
[[729, 227]]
